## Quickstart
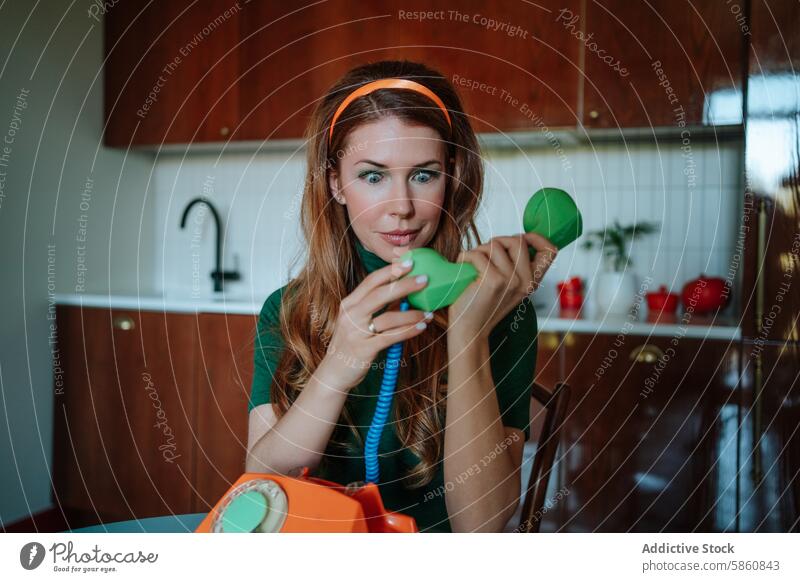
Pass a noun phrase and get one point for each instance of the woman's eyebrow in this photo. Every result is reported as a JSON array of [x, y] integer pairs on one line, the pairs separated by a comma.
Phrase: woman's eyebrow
[[422, 165]]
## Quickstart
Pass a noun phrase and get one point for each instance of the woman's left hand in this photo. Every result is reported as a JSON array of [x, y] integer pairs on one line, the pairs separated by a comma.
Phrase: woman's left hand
[[506, 275]]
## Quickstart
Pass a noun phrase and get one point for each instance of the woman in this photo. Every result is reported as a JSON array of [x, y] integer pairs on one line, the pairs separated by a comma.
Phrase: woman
[[385, 155]]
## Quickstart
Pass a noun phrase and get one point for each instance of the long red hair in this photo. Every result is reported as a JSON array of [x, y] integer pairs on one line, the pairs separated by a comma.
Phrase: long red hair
[[332, 268]]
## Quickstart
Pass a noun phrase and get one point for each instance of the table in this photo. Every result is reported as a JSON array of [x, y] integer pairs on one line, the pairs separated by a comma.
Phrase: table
[[186, 523]]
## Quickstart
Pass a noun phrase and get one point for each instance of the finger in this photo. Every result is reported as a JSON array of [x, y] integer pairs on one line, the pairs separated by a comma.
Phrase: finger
[[390, 272], [491, 271], [479, 260], [517, 248], [384, 294], [540, 243], [498, 255], [546, 253], [382, 341], [389, 320], [540, 265]]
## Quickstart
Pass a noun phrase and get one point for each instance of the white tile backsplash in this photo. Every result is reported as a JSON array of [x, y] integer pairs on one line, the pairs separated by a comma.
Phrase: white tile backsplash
[[258, 196]]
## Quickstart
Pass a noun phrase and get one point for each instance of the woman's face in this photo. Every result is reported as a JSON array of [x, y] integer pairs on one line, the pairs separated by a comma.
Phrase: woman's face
[[391, 178]]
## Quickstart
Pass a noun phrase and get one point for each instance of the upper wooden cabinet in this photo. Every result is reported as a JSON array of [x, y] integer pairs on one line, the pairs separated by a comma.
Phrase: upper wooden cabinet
[[644, 61], [214, 71], [510, 62], [170, 73]]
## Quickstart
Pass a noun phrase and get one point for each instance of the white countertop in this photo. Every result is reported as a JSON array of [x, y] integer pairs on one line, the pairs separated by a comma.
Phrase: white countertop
[[221, 303], [549, 320]]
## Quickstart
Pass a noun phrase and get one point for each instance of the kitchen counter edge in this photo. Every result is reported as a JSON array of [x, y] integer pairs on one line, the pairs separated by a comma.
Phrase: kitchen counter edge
[[725, 330]]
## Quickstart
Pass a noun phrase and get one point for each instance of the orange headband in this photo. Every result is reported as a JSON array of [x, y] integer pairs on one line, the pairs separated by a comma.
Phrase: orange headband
[[392, 83]]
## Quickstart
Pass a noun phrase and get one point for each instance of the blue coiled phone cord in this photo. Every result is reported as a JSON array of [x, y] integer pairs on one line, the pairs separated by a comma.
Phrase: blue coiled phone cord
[[381, 415]]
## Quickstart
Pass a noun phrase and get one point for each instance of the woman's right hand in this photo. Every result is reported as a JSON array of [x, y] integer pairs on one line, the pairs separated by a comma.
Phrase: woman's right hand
[[353, 347]]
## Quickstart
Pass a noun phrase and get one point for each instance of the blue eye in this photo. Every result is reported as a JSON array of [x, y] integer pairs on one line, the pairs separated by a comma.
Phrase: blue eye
[[368, 173], [429, 174]]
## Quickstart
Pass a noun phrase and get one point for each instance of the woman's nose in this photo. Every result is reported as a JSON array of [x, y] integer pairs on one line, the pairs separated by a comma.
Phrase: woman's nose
[[401, 202]]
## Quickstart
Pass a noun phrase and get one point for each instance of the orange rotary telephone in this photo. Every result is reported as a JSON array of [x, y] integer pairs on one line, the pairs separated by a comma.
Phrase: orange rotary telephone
[[265, 503]]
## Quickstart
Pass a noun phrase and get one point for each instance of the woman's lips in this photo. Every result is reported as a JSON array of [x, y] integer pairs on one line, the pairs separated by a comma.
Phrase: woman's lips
[[400, 240]]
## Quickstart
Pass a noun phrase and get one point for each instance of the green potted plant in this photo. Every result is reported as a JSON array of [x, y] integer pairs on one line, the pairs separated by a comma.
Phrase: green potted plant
[[615, 292]]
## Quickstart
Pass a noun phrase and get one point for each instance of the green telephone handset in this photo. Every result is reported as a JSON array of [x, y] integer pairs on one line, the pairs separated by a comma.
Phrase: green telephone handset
[[550, 212]]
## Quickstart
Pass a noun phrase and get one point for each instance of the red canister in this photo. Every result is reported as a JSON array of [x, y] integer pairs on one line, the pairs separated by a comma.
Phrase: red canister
[[705, 294], [570, 293], [662, 301]]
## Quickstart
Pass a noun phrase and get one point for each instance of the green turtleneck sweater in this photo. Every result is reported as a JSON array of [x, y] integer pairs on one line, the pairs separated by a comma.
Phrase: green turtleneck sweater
[[513, 363]]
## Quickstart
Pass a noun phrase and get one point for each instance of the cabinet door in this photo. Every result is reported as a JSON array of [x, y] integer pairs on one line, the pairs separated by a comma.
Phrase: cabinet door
[[698, 46], [548, 374], [770, 444], [171, 72], [290, 55], [224, 375], [773, 204], [775, 269], [123, 444], [548, 359], [650, 438]]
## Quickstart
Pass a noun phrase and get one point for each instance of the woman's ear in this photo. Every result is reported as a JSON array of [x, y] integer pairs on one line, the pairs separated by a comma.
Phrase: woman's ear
[[333, 183]]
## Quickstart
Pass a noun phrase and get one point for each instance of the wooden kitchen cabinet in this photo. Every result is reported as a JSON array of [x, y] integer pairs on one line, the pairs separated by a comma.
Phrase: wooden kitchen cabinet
[[171, 72], [290, 55], [152, 415], [549, 368], [123, 438], [224, 376], [215, 71], [548, 374], [648, 446], [774, 269], [770, 447], [769, 482], [699, 46], [257, 73]]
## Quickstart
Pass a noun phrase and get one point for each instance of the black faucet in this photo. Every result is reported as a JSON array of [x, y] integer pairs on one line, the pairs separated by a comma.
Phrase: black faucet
[[217, 274]]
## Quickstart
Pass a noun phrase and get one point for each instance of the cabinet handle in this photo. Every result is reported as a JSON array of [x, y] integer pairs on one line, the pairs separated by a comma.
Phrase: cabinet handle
[[124, 322], [224, 131], [646, 354], [758, 407], [549, 341], [594, 114]]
